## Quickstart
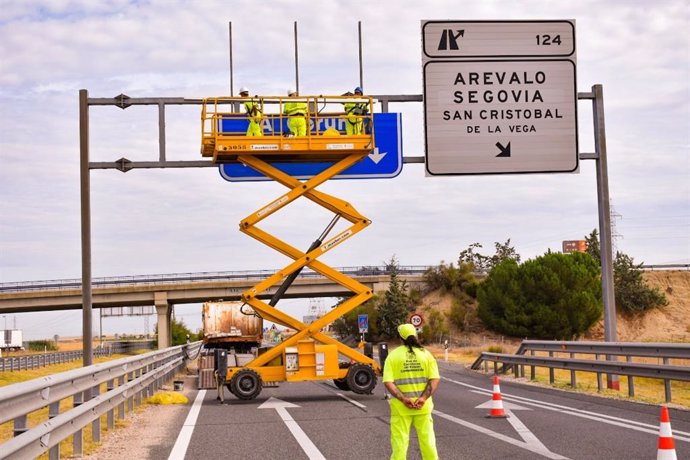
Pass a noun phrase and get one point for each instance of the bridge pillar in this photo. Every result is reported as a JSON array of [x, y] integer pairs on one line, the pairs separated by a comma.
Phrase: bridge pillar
[[163, 310], [380, 287]]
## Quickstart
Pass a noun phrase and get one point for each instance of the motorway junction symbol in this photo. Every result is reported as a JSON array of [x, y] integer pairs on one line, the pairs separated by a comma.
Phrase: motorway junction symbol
[[500, 97]]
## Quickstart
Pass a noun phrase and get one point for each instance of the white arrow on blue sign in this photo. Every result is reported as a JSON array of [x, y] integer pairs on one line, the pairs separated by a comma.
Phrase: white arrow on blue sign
[[363, 323], [383, 163]]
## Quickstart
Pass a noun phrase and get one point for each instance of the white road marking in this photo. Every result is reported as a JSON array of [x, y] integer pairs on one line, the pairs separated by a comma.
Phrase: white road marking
[[506, 405], [524, 432], [182, 443], [611, 420], [351, 401], [524, 445], [300, 436]]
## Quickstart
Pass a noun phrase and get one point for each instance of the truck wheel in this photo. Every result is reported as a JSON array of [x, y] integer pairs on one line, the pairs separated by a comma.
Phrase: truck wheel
[[361, 378], [246, 384]]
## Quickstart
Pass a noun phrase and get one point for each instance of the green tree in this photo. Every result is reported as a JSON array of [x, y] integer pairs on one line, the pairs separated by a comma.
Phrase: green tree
[[482, 263], [346, 325], [555, 296], [449, 278], [179, 332], [394, 307], [434, 326], [633, 294]]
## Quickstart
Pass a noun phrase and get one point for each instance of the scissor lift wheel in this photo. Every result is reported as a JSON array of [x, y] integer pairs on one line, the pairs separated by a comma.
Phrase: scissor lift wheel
[[245, 384], [361, 378]]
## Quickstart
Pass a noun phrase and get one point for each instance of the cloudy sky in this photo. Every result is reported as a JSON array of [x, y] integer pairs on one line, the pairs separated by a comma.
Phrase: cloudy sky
[[175, 221]]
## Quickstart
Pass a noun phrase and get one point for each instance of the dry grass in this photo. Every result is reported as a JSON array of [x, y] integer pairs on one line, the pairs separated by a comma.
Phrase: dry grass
[[40, 416]]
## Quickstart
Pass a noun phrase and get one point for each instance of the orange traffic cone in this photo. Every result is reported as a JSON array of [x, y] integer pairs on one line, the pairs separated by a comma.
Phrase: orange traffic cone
[[497, 410], [667, 449]]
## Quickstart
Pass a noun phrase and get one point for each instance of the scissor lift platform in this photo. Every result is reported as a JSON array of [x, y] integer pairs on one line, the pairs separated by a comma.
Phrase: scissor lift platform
[[224, 130], [308, 354]]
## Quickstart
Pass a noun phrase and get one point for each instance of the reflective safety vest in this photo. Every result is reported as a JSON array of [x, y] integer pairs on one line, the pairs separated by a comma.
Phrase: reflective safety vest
[[253, 110], [410, 372], [295, 108], [356, 108]]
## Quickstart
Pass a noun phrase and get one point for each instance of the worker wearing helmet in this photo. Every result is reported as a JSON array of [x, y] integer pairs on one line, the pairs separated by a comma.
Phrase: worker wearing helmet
[[297, 113], [354, 115], [411, 376], [254, 110]]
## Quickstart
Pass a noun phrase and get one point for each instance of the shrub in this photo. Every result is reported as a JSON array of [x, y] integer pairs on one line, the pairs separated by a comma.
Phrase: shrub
[[555, 296], [41, 345]]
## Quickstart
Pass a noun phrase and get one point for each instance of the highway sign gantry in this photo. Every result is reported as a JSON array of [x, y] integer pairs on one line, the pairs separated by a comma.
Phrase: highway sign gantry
[[499, 97]]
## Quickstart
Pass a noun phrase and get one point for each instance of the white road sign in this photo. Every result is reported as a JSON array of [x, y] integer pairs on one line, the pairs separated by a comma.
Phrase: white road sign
[[474, 39], [492, 114]]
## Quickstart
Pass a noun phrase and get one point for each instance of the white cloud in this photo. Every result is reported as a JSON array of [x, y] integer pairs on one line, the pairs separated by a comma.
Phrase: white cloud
[[186, 220]]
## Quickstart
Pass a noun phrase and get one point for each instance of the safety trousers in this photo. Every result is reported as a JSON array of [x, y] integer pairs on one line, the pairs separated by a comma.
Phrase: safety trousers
[[298, 126], [400, 435], [255, 129], [353, 125]]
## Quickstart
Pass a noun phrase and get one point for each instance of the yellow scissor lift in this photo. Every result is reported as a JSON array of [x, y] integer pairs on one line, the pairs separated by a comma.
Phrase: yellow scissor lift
[[308, 354]]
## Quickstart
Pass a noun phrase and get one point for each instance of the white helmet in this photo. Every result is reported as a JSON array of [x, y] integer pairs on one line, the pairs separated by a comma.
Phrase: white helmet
[[244, 89], [291, 92]]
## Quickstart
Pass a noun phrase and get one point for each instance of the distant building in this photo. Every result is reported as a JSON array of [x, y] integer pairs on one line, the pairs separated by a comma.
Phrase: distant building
[[574, 246]]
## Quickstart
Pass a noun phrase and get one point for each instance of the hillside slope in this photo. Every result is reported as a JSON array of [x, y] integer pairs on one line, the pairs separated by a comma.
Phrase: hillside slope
[[670, 323]]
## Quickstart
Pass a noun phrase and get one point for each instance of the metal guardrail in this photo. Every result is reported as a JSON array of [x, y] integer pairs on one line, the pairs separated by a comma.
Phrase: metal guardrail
[[660, 351], [34, 361], [198, 277], [24, 362], [136, 377]]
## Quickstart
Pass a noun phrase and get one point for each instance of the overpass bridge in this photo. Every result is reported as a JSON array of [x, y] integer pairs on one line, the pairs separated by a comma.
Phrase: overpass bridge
[[164, 291]]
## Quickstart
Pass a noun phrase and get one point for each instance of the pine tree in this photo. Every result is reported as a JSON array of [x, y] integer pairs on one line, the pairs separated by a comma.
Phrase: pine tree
[[394, 308], [632, 293]]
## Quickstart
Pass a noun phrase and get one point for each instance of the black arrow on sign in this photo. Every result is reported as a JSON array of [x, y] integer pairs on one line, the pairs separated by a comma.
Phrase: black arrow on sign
[[505, 151]]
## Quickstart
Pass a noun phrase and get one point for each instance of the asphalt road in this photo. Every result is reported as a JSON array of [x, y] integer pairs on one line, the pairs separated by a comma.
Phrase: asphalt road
[[322, 420]]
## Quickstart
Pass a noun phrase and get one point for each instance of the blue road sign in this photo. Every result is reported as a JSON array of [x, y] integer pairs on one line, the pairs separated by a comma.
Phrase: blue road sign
[[384, 162], [363, 323]]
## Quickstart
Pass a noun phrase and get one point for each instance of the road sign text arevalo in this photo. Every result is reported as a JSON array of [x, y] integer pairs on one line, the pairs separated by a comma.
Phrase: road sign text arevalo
[[499, 97]]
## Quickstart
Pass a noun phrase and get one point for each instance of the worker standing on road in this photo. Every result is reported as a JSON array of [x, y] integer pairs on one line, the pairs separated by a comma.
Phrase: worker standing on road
[[355, 112], [297, 112], [411, 376], [255, 114]]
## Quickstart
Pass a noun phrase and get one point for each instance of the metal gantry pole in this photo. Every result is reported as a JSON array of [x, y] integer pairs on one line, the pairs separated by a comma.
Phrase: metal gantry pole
[[607, 279], [232, 90], [361, 71], [296, 62], [85, 187]]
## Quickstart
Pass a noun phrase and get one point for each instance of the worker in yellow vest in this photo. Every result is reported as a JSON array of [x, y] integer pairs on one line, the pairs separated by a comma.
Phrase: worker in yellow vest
[[411, 376], [297, 113], [255, 114], [354, 115]]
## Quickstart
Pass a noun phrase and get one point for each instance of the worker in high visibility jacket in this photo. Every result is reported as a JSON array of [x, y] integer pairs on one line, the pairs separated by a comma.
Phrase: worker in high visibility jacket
[[354, 115], [297, 113], [410, 374], [254, 110]]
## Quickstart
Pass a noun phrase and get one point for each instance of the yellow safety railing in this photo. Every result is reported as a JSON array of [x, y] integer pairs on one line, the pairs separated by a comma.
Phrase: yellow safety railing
[[224, 124]]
